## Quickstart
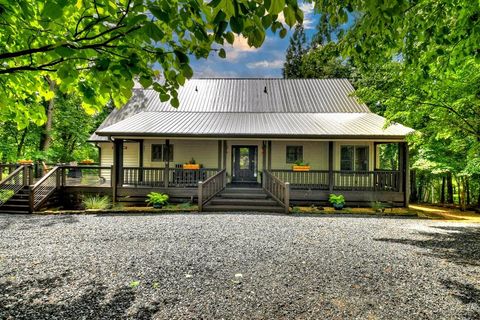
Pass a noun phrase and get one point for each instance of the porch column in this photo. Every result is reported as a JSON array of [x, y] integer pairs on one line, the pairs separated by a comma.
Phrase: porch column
[[140, 161], [269, 152], [404, 171], [330, 166], [224, 154], [167, 162], [220, 157], [118, 161]]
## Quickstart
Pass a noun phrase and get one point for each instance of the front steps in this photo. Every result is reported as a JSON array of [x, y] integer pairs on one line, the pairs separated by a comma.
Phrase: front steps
[[243, 199], [18, 203]]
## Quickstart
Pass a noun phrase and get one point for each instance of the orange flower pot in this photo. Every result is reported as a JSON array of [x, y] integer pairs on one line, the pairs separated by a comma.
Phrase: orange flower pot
[[191, 166], [301, 168]]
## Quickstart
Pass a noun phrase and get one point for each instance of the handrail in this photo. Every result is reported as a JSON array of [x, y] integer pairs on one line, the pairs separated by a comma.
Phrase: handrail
[[277, 189], [42, 190], [211, 187], [14, 182]]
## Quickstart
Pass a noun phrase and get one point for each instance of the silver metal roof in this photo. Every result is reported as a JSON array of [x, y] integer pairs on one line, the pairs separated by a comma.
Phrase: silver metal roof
[[227, 124], [246, 107]]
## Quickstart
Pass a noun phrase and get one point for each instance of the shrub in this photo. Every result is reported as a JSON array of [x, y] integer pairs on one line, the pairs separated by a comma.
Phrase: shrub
[[377, 206], [96, 202], [5, 195], [156, 198], [336, 199]]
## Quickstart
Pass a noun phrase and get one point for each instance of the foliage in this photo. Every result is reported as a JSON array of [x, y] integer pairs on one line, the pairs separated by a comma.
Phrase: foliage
[[301, 163], [156, 198], [295, 51], [95, 49], [5, 195], [336, 199], [323, 62], [96, 202], [378, 206]]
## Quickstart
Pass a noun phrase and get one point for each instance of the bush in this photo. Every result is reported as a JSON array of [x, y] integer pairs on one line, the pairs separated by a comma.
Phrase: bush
[[157, 199], [5, 195], [336, 199], [96, 202]]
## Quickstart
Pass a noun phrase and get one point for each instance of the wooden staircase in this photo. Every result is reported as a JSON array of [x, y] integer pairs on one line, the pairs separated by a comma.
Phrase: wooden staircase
[[18, 203], [243, 199]]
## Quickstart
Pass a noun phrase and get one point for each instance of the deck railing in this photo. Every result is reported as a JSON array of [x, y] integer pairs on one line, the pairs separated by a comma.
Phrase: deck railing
[[86, 175], [313, 179], [379, 180], [6, 169], [14, 182], [155, 177], [277, 189], [212, 186], [44, 188]]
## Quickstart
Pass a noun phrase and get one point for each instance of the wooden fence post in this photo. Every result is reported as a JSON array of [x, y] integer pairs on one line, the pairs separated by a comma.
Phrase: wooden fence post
[[287, 197], [200, 196]]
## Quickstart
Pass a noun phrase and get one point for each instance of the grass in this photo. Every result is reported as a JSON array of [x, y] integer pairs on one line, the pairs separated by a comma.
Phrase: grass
[[96, 202]]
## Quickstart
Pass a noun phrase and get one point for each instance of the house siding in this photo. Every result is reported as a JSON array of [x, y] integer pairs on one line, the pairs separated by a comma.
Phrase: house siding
[[314, 152]]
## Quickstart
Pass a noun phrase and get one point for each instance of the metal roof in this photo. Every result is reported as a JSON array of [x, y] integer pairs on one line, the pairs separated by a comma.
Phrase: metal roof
[[246, 107], [256, 124]]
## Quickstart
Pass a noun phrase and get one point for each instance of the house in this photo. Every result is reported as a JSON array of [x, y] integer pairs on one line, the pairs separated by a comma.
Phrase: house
[[233, 144], [250, 133]]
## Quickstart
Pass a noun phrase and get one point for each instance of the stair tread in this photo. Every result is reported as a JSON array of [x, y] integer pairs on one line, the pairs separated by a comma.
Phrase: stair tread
[[242, 208], [251, 202]]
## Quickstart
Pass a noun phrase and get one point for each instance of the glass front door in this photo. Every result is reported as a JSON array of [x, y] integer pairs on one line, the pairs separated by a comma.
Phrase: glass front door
[[244, 163]]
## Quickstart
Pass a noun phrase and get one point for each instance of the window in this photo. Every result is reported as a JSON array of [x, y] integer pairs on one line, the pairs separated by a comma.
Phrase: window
[[354, 158], [294, 154], [159, 152]]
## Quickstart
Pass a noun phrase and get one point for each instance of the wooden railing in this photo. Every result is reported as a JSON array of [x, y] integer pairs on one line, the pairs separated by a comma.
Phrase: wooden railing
[[14, 182], [313, 179], [211, 187], [44, 188], [155, 177], [366, 180], [86, 175], [277, 189]]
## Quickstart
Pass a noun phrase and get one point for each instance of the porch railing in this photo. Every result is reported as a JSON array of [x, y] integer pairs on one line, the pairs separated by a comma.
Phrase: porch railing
[[212, 186], [277, 189], [86, 175], [14, 182], [313, 179], [156, 177], [6, 169], [44, 188]]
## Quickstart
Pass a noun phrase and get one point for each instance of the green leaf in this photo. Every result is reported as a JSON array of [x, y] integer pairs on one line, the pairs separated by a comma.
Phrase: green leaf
[[283, 33], [237, 24], [146, 81], [276, 6], [52, 10], [182, 57], [159, 14], [230, 37], [229, 7], [222, 54], [164, 97], [289, 15], [175, 103], [153, 31], [65, 51]]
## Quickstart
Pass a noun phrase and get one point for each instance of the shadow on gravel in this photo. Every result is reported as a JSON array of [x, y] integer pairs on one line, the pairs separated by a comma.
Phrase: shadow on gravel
[[26, 222], [36, 299], [460, 245], [467, 294]]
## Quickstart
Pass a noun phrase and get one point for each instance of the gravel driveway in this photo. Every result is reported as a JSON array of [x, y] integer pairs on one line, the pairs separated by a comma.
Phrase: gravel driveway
[[243, 266]]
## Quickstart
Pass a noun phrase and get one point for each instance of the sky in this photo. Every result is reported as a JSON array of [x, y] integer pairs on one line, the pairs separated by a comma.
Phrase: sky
[[244, 61]]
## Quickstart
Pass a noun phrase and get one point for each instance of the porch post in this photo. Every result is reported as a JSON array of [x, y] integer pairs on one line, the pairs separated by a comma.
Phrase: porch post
[[224, 154], [375, 155], [269, 152], [330, 166], [220, 144], [167, 162], [404, 171], [140, 147], [264, 159], [117, 168]]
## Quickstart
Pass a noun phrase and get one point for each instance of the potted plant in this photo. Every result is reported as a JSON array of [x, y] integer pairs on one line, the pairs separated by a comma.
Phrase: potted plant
[[191, 165], [301, 166], [156, 199], [338, 201]]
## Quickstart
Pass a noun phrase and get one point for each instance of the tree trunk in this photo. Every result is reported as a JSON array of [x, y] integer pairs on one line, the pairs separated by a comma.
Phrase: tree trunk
[[442, 191], [46, 138], [413, 186], [21, 143], [449, 188], [467, 189]]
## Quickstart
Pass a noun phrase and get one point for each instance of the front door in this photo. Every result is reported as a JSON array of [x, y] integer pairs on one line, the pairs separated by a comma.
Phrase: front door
[[244, 163]]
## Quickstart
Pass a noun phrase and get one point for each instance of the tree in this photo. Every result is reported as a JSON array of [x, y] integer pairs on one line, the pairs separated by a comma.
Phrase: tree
[[323, 62], [295, 52], [97, 48]]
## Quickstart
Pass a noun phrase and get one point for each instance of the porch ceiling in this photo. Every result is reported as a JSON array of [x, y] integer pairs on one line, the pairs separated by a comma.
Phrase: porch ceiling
[[292, 125]]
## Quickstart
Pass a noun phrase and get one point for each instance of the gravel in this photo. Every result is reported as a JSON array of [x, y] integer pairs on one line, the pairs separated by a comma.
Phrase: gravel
[[245, 266]]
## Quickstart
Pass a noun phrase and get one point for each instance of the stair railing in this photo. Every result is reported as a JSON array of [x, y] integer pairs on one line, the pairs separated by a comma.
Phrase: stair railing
[[211, 187], [44, 188], [277, 189], [14, 182]]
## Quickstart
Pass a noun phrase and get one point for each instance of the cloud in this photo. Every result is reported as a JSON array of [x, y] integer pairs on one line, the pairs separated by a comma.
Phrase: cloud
[[238, 48], [308, 13], [266, 64]]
